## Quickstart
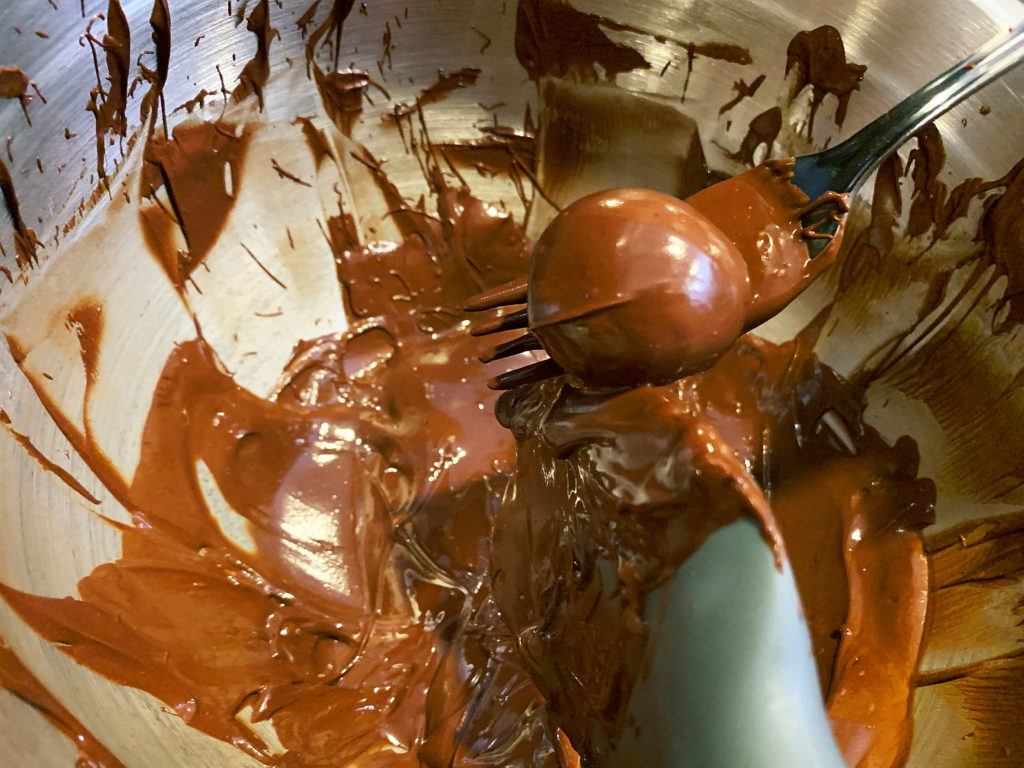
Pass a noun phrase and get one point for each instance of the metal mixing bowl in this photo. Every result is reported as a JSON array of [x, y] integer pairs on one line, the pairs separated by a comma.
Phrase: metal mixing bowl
[[48, 541]]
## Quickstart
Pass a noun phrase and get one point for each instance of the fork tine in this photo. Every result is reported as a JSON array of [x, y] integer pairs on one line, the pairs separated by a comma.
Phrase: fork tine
[[528, 374], [511, 321], [525, 343], [512, 292]]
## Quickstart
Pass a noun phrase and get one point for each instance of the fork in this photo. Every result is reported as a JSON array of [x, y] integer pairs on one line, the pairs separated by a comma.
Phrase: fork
[[842, 169]]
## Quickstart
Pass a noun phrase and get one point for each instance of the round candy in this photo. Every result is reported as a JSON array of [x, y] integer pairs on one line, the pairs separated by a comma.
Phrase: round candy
[[631, 287]]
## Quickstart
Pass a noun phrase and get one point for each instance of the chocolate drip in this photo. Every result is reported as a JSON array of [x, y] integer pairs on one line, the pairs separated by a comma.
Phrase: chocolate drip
[[14, 85], [191, 167], [818, 57], [26, 244], [256, 71], [19, 680], [553, 38]]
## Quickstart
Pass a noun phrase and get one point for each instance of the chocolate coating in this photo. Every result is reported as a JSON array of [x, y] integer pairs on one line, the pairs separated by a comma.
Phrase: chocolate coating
[[762, 211], [632, 286]]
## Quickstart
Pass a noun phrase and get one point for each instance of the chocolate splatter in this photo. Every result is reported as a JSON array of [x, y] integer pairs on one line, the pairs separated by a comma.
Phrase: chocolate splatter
[[743, 91], [553, 38], [446, 83], [197, 101], [723, 51], [14, 85], [329, 32], [26, 244], [160, 22], [316, 140], [191, 167], [256, 71], [306, 18], [762, 131], [818, 57], [341, 93], [19, 680], [286, 174]]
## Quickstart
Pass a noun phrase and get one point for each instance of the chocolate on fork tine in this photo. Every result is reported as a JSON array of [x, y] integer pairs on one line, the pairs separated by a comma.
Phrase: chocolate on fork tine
[[510, 294], [507, 294]]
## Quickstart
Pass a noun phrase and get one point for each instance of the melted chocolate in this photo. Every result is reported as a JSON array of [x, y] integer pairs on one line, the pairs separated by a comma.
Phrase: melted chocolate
[[14, 85], [256, 71], [395, 622], [191, 167], [398, 587], [631, 286], [411, 587], [577, 595], [109, 105], [553, 38], [26, 244], [16, 678], [763, 214], [818, 57]]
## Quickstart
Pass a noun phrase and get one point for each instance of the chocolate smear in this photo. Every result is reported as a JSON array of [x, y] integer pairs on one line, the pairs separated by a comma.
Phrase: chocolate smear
[[762, 131], [14, 85], [26, 244], [256, 71], [818, 57], [191, 167], [19, 680], [109, 105], [553, 38]]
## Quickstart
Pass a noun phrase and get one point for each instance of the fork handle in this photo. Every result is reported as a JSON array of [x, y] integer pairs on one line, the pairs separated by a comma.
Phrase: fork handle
[[843, 167]]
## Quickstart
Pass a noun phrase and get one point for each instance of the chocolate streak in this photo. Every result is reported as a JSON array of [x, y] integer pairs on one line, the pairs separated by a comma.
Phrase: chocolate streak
[[109, 106], [47, 464], [763, 214], [818, 57], [256, 72], [191, 166], [16, 678], [612, 493], [14, 85], [26, 244]]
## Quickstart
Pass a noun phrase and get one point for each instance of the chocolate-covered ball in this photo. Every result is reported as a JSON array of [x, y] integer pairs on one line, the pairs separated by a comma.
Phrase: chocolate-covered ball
[[631, 287]]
